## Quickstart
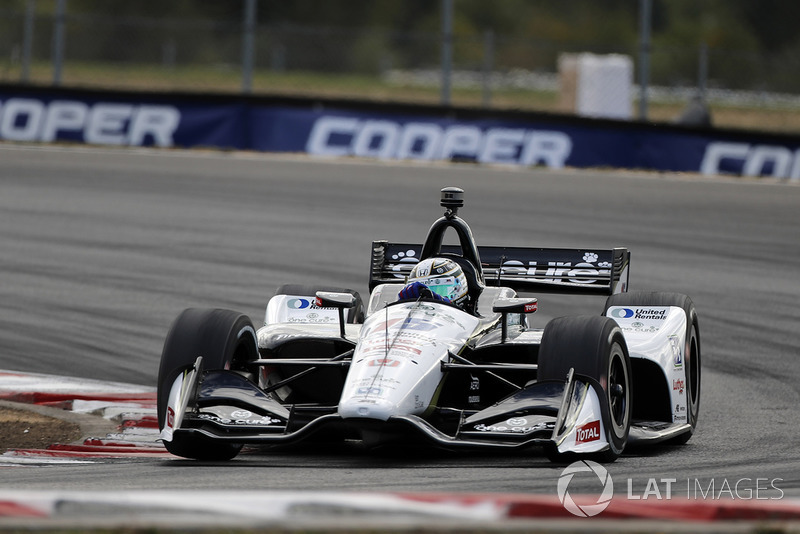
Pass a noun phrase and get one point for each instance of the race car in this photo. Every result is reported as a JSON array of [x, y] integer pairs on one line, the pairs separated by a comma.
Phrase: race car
[[428, 372]]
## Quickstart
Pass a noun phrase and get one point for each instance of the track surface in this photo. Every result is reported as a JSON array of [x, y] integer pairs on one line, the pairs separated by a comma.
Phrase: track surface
[[102, 249]]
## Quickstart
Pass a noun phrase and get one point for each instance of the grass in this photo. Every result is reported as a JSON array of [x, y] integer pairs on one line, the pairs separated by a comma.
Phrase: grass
[[227, 79]]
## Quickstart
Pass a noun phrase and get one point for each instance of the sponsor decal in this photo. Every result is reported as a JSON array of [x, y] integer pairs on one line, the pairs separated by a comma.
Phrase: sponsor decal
[[678, 385], [657, 314], [252, 419], [301, 304], [375, 392], [409, 258], [475, 383], [170, 417], [409, 323], [530, 308], [512, 426], [387, 139], [102, 123], [622, 313], [383, 362], [585, 272], [587, 433], [677, 353]]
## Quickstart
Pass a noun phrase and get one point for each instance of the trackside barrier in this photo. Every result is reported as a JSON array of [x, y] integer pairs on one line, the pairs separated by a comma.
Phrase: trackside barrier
[[385, 131]]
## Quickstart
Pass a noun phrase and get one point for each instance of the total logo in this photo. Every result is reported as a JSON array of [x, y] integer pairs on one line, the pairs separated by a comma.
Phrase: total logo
[[585, 472], [587, 433]]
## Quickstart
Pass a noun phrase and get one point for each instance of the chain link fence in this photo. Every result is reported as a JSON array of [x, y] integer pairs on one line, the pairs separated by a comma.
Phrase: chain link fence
[[741, 89]]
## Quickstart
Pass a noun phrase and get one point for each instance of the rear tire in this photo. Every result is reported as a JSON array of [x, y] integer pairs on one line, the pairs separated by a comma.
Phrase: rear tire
[[226, 340], [593, 346], [691, 353]]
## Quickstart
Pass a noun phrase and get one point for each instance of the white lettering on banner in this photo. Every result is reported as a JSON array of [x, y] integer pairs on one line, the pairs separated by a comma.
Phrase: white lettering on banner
[[460, 141], [107, 123], [502, 145], [419, 141], [20, 119], [376, 139], [384, 139], [24, 119], [63, 115], [753, 160]]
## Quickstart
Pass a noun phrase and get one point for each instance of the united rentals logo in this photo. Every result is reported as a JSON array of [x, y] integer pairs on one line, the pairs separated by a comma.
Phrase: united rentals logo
[[658, 314], [579, 468]]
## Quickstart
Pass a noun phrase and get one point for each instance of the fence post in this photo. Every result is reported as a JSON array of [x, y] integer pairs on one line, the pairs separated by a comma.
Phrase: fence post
[[248, 43], [58, 41], [702, 71], [488, 67], [645, 10], [447, 49], [27, 40]]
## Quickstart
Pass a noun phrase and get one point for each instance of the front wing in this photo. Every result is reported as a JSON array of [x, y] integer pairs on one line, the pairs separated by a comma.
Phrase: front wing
[[566, 416]]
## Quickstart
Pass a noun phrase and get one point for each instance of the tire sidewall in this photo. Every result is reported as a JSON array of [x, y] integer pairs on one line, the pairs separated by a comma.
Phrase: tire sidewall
[[592, 346], [223, 338]]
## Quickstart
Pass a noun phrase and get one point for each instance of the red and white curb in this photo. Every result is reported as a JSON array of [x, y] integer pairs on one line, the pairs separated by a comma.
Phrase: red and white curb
[[131, 407], [289, 505]]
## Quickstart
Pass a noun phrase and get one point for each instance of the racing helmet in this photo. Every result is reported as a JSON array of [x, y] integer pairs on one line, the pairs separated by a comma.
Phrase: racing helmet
[[442, 276]]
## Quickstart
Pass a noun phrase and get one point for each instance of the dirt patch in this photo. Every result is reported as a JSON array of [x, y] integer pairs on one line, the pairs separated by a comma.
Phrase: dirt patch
[[21, 429]]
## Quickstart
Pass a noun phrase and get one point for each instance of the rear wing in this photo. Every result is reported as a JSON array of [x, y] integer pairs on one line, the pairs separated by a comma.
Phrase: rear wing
[[544, 270]]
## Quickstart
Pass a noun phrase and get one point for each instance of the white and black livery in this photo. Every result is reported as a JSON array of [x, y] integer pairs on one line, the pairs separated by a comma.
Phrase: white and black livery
[[426, 372]]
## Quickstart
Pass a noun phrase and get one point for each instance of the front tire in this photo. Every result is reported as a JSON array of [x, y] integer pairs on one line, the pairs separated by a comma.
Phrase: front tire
[[226, 340], [691, 353], [593, 346]]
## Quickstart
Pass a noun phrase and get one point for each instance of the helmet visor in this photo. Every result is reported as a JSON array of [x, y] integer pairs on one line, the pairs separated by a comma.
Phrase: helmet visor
[[444, 287]]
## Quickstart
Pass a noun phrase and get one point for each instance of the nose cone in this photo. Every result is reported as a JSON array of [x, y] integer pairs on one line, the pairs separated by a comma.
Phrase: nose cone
[[367, 408]]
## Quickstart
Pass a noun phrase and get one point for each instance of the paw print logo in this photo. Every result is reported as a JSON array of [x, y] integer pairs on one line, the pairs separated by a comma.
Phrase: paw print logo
[[590, 257], [406, 256], [409, 257], [604, 265]]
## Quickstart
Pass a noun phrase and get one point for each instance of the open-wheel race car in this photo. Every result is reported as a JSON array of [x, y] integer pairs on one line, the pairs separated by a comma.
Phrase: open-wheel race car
[[464, 374]]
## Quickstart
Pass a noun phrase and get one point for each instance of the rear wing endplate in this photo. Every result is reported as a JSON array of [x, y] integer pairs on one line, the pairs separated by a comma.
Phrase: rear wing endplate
[[545, 270]]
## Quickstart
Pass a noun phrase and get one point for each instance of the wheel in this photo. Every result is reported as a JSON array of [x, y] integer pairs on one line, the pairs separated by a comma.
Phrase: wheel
[[226, 340], [354, 315], [593, 346], [692, 358]]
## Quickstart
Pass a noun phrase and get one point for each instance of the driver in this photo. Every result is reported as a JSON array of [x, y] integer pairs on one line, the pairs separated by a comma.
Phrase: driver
[[438, 278]]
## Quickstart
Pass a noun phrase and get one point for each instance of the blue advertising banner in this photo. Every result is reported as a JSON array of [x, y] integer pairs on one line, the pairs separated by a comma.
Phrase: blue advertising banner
[[143, 120]]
